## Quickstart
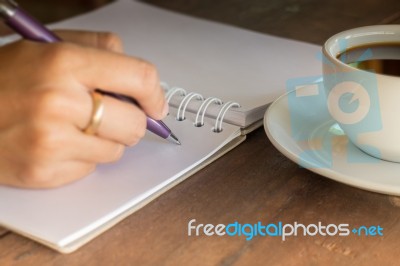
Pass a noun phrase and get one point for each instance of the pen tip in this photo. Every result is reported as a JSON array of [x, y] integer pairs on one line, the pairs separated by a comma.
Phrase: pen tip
[[174, 139]]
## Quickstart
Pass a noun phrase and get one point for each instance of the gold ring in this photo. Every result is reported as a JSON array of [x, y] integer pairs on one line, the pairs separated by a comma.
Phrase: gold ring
[[97, 114]]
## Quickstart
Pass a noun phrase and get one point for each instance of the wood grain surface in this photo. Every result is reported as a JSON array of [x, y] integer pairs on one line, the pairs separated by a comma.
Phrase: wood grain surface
[[252, 183]]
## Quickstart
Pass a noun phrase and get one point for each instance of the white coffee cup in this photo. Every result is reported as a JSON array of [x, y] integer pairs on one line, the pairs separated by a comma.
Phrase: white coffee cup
[[372, 118]]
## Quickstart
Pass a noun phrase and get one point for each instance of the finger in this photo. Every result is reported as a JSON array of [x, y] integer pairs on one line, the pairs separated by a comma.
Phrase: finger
[[62, 141], [121, 122], [54, 175], [93, 149], [125, 75], [101, 40], [68, 172]]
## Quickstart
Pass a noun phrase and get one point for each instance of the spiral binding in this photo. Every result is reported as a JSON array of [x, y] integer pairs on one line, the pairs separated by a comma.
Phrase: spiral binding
[[173, 91], [180, 116], [220, 117], [203, 108], [188, 97]]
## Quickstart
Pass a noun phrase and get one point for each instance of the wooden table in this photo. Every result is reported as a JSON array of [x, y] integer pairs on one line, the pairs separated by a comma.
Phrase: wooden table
[[252, 183]]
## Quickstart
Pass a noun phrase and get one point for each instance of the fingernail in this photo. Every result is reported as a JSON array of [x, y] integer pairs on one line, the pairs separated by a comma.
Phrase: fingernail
[[165, 109]]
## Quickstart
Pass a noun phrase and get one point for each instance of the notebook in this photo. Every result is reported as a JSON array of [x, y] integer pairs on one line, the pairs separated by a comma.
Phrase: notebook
[[218, 79]]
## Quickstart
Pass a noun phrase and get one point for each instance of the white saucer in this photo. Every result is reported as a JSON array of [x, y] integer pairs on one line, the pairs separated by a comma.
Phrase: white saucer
[[363, 171]]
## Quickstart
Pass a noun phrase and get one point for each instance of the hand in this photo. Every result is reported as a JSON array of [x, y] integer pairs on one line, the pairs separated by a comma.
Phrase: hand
[[45, 103]]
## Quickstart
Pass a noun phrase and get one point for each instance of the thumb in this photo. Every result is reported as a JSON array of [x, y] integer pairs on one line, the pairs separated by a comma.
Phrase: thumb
[[102, 40]]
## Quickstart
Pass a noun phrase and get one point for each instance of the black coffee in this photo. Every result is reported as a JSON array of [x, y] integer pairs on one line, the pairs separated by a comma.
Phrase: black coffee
[[383, 58]]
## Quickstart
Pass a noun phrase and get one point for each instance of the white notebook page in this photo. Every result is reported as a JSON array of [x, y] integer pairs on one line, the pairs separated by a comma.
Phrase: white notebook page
[[200, 56], [59, 217], [213, 59]]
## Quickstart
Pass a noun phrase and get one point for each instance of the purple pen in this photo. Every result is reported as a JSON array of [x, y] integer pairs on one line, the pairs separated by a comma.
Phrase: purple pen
[[31, 29]]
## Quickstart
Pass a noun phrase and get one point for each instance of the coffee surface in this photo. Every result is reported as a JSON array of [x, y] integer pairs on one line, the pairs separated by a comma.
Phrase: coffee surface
[[382, 58]]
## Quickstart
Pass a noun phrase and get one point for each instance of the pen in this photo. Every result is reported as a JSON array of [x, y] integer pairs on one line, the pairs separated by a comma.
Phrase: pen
[[29, 28]]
